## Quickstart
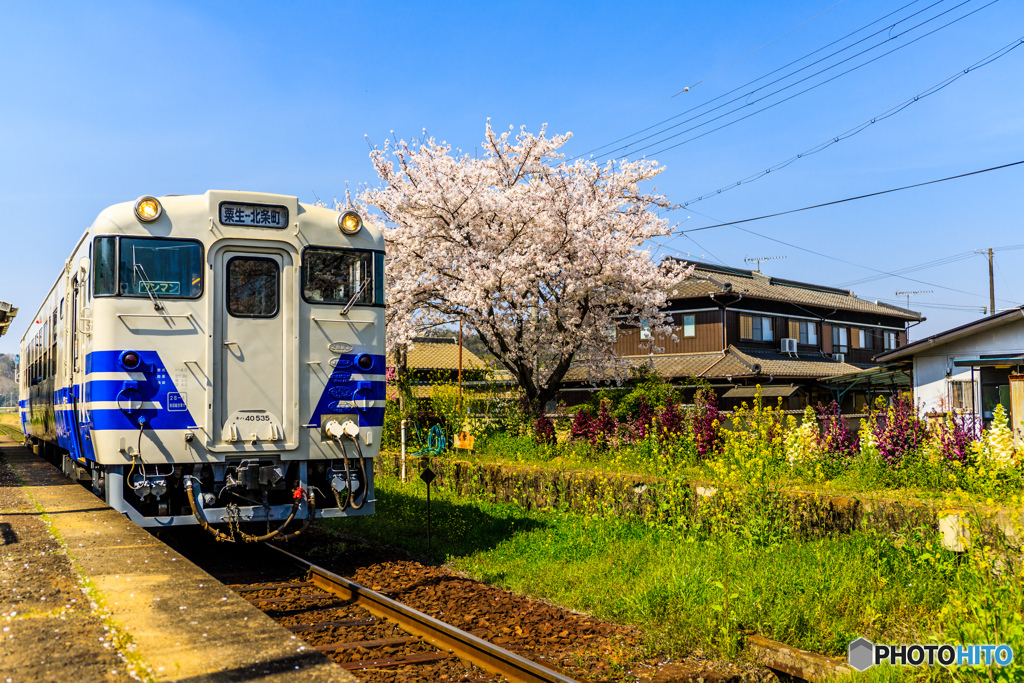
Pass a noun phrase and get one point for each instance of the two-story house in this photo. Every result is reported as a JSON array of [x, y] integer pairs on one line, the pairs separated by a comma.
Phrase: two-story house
[[739, 329]]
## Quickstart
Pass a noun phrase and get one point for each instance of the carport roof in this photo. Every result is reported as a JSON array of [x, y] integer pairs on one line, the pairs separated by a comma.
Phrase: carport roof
[[7, 313]]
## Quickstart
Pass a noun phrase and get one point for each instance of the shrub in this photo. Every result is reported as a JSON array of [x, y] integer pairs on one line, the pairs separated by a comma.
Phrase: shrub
[[802, 439], [837, 444], [898, 431], [673, 418], [605, 426], [706, 421], [641, 422], [582, 428], [544, 430], [955, 437], [651, 393], [996, 447]]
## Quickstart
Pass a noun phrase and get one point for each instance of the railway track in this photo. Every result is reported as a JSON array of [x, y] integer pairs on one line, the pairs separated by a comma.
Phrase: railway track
[[12, 432], [377, 637]]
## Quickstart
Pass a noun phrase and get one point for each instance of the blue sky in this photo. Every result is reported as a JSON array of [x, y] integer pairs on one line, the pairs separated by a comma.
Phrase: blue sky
[[107, 102]]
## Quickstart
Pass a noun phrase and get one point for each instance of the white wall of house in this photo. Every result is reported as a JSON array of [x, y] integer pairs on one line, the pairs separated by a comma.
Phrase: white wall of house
[[931, 384], [931, 365]]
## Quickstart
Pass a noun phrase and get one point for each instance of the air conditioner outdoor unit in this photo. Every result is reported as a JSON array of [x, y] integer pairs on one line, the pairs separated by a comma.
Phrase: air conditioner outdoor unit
[[841, 357], [788, 345]]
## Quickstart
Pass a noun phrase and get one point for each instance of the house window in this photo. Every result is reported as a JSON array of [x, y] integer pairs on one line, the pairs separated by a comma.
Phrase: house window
[[864, 339], [689, 326], [890, 341], [840, 340], [808, 333], [961, 396], [756, 327]]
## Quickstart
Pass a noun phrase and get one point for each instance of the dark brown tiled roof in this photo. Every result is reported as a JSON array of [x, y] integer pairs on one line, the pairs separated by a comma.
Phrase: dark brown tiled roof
[[734, 363], [747, 362], [665, 365], [683, 364], [708, 279]]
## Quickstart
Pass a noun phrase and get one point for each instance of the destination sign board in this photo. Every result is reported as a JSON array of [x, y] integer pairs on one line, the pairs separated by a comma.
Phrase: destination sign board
[[253, 215]]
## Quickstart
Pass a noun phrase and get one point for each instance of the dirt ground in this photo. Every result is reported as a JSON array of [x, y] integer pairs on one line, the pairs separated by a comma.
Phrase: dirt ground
[[49, 630]]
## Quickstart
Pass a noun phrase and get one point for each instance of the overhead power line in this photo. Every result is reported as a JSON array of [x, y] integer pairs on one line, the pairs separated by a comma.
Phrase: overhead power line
[[726, 94], [911, 269], [998, 54], [946, 260], [694, 85], [839, 260], [937, 305], [626, 149], [667, 99], [850, 199], [859, 265], [793, 96]]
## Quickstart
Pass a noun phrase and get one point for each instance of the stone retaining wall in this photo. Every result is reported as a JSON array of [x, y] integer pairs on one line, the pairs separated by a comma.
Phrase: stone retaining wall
[[640, 496]]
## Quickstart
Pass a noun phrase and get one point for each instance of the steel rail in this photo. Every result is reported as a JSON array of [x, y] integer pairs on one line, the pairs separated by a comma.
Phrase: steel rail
[[484, 654]]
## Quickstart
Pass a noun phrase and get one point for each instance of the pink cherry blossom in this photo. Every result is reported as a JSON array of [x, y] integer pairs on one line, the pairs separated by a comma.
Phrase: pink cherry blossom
[[543, 259]]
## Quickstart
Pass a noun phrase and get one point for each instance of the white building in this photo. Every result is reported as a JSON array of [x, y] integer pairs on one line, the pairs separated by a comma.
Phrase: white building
[[972, 368]]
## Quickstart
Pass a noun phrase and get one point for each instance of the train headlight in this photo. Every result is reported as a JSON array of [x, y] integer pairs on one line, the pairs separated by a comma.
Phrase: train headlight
[[130, 360], [148, 209], [350, 222], [364, 361]]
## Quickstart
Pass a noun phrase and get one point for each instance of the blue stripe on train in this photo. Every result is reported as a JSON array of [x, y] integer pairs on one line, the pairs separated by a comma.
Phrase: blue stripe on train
[[341, 386], [23, 416], [156, 387]]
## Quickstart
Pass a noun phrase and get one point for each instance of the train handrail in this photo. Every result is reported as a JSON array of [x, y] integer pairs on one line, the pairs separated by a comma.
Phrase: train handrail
[[344, 320], [153, 315]]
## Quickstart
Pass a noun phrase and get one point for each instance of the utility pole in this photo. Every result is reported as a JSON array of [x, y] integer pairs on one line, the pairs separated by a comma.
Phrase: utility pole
[[460, 365], [991, 286], [991, 280]]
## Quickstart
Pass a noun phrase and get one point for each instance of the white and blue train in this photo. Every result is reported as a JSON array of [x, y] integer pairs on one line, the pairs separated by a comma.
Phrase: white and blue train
[[214, 359]]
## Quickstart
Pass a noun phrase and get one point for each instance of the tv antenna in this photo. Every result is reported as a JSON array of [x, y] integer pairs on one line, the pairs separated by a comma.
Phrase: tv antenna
[[910, 294], [762, 258]]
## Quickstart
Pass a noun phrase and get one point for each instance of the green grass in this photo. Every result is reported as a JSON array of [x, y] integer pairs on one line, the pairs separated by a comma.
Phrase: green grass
[[915, 482], [705, 584]]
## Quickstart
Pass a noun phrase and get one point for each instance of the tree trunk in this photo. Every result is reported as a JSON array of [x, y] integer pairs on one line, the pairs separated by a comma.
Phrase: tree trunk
[[401, 373]]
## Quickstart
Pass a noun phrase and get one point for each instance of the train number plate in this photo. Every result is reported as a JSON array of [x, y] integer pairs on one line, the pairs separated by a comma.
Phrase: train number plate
[[253, 215], [252, 426]]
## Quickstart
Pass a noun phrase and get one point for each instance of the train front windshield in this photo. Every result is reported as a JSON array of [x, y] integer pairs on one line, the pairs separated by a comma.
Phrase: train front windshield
[[336, 276], [143, 266]]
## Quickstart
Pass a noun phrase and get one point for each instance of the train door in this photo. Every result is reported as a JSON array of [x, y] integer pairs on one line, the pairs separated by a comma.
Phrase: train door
[[78, 418], [254, 346]]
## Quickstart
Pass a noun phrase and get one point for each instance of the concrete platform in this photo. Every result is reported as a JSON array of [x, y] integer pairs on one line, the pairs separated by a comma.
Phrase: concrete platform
[[86, 595]]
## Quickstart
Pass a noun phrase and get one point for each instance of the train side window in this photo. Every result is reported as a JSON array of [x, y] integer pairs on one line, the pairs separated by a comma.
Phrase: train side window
[[105, 266], [336, 276], [253, 287], [378, 280]]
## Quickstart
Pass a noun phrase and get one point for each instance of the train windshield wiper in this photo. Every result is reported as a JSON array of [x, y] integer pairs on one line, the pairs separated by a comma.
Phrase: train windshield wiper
[[157, 304], [355, 296]]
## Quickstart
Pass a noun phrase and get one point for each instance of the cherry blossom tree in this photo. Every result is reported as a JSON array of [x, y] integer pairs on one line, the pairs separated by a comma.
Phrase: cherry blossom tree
[[542, 258]]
